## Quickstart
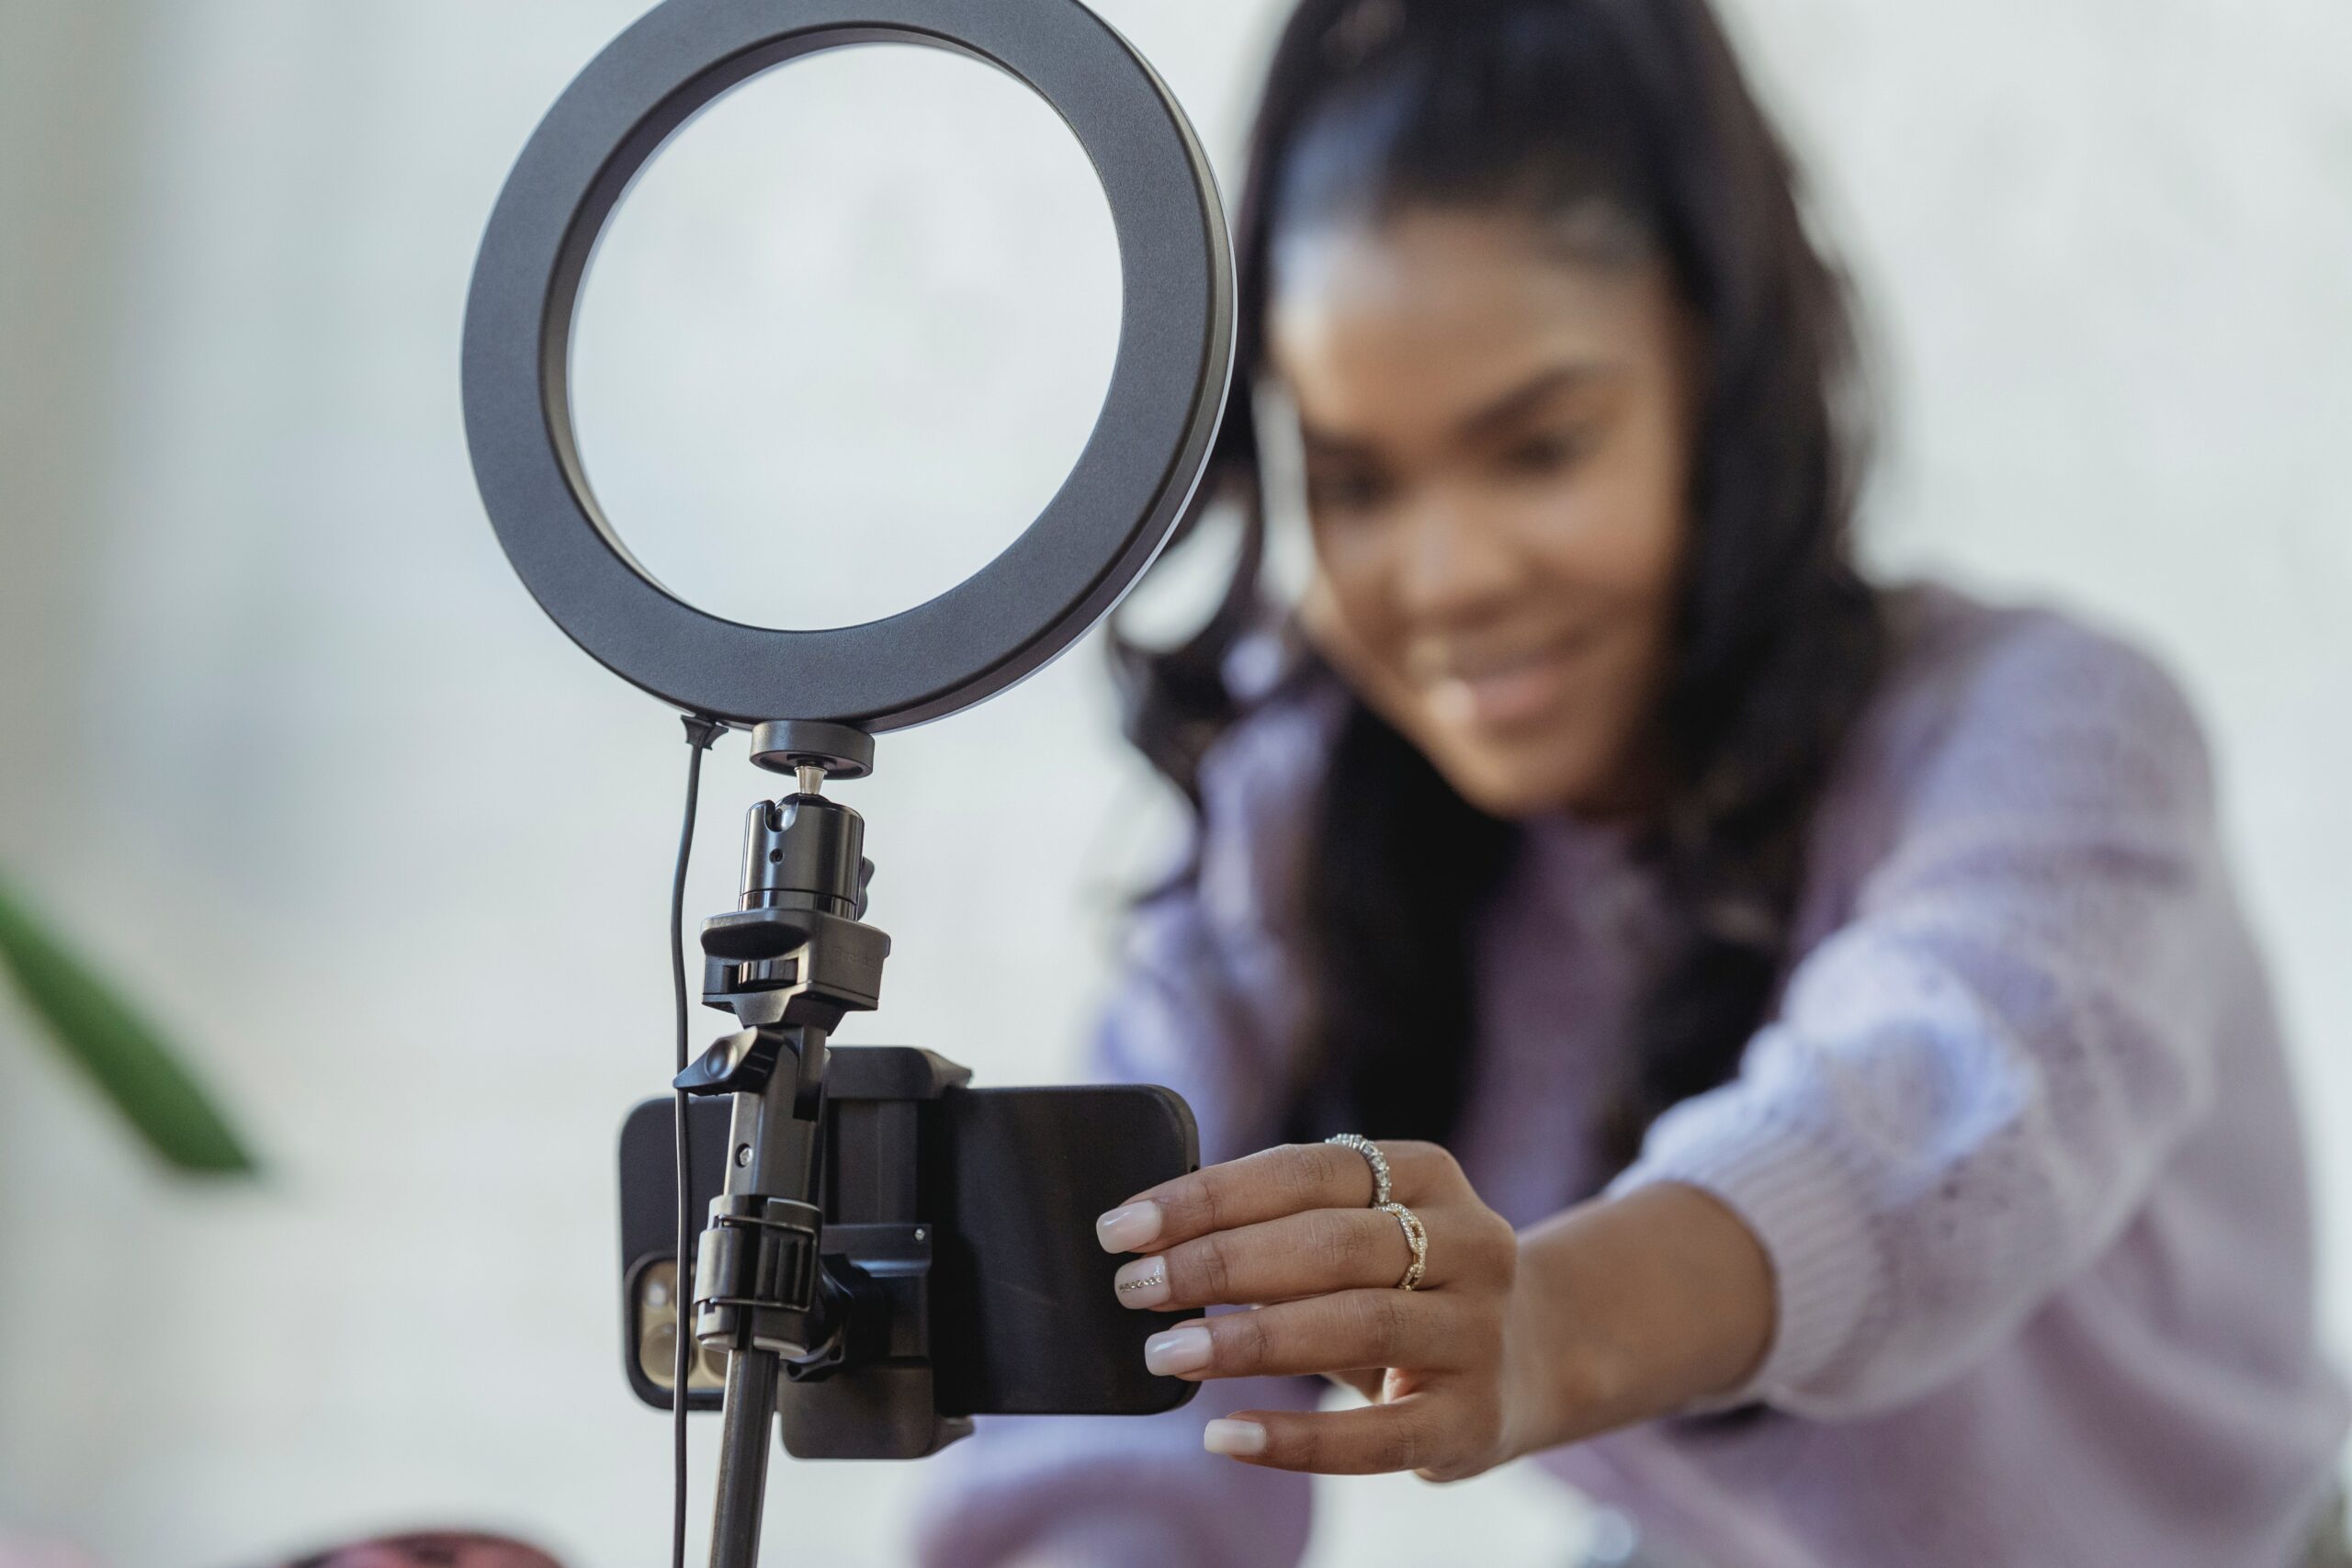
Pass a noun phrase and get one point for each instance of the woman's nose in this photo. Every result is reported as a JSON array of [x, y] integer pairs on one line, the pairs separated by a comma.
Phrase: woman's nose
[[1457, 561]]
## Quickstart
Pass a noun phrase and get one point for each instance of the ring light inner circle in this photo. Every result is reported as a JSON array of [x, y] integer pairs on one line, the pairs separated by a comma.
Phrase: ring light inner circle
[[846, 337]]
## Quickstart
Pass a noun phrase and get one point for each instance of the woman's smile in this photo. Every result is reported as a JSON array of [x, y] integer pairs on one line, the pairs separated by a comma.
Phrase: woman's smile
[[1502, 690]]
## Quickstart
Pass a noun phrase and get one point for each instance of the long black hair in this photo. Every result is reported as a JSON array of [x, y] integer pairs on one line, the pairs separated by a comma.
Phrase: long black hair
[[1634, 111]]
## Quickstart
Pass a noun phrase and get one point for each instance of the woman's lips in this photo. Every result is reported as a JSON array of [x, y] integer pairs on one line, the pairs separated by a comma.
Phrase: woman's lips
[[1504, 696]]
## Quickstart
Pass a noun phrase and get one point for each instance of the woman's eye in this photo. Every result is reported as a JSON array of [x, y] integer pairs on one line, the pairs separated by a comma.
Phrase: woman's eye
[[1344, 490], [1540, 457]]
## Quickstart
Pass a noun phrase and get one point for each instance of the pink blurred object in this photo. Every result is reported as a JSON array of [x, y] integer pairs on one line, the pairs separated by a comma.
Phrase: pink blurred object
[[20, 1553], [431, 1549]]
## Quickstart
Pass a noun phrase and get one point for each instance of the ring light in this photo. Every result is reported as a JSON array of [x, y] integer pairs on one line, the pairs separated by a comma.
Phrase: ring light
[[1112, 515]]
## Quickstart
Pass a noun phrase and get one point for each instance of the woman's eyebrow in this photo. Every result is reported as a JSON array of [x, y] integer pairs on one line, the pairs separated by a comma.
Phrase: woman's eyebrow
[[1497, 414], [1324, 444], [1530, 395]]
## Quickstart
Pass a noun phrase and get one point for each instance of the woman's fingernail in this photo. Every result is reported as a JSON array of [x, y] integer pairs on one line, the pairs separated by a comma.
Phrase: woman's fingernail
[[1124, 1230], [1243, 1438], [1178, 1350], [1144, 1282]]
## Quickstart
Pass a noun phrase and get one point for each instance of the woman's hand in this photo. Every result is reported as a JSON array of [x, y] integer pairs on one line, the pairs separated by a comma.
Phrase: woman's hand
[[1613, 1312], [1291, 1228]]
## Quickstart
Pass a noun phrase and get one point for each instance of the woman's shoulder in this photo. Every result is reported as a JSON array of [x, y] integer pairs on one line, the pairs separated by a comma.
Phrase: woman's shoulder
[[2023, 707], [1950, 644]]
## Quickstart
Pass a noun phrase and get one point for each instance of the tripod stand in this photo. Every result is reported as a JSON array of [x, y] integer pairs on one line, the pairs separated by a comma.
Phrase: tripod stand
[[790, 963], [786, 1298]]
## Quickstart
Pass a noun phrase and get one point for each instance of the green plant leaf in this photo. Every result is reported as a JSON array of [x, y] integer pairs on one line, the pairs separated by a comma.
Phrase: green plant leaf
[[122, 1055]]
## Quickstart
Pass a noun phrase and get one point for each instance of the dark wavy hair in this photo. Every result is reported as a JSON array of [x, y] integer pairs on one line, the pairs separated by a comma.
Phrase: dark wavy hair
[[1561, 110]]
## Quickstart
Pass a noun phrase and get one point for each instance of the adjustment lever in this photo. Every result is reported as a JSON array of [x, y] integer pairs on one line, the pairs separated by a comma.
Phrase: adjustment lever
[[741, 1063]]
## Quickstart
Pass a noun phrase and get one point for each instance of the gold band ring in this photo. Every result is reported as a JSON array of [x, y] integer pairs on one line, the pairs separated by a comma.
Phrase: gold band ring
[[1417, 1236]]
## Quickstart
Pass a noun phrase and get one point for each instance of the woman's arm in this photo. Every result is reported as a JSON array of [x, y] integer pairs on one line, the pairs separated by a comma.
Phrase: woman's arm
[[1965, 1097], [1648, 1303], [1971, 1084]]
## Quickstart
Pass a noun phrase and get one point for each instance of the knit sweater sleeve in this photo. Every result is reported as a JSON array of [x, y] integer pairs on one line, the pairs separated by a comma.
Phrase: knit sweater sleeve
[[1969, 1086]]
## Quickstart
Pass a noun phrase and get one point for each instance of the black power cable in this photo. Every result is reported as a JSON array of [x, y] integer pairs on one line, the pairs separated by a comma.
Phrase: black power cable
[[700, 733]]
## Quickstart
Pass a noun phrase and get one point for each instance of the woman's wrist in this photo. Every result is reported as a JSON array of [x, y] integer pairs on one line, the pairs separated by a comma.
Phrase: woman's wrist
[[1632, 1308]]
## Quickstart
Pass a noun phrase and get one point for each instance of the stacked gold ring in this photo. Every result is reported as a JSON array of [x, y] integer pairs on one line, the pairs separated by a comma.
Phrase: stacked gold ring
[[1417, 1236]]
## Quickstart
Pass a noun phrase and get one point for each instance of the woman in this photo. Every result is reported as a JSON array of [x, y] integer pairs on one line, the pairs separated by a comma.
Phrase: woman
[[1834, 1106]]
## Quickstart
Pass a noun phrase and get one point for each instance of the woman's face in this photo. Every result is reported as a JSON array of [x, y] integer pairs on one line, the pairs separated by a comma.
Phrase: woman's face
[[1498, 450]]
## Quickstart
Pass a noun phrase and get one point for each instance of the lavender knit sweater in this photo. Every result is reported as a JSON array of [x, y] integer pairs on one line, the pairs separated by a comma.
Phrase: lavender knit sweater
[[2018, 1138]]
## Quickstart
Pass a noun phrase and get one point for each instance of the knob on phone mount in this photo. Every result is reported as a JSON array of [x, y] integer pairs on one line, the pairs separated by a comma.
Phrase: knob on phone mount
[[797, 955]]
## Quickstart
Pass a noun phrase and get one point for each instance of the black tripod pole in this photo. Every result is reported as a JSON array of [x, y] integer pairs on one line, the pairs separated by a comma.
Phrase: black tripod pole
[[752, 1377], [790, 962], [773, 1163]]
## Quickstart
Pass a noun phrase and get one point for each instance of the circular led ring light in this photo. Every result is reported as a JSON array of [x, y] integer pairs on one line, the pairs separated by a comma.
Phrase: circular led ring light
[[1110, 515]]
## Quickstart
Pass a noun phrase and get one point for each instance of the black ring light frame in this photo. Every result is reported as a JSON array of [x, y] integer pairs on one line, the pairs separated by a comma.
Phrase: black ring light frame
[[1125, 495]]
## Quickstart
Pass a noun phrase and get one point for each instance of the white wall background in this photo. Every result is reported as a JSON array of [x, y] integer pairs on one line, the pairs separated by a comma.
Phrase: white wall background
[[287, 741]]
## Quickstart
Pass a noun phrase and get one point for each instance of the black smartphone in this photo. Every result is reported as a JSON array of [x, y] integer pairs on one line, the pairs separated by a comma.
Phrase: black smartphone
[[1005, 1185]]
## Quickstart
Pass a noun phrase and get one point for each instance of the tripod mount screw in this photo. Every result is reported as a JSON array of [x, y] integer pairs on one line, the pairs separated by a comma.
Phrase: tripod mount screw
[[796, 745]]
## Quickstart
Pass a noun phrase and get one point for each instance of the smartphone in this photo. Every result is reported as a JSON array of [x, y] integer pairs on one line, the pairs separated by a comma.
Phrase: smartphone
[[1001, 1185]]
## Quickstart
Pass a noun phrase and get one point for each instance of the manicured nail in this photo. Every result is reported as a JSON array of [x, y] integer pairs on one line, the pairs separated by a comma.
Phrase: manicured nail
[[1124, 1230], [1184, 1349], [1243, 1438], [1144, 1282]]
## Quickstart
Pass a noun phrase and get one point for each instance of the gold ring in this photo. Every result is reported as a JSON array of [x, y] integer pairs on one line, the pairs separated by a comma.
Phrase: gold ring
[[1417, 1236]]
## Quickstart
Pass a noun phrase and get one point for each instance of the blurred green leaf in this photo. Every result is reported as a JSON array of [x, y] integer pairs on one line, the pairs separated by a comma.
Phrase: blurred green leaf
[[130, 1063]]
